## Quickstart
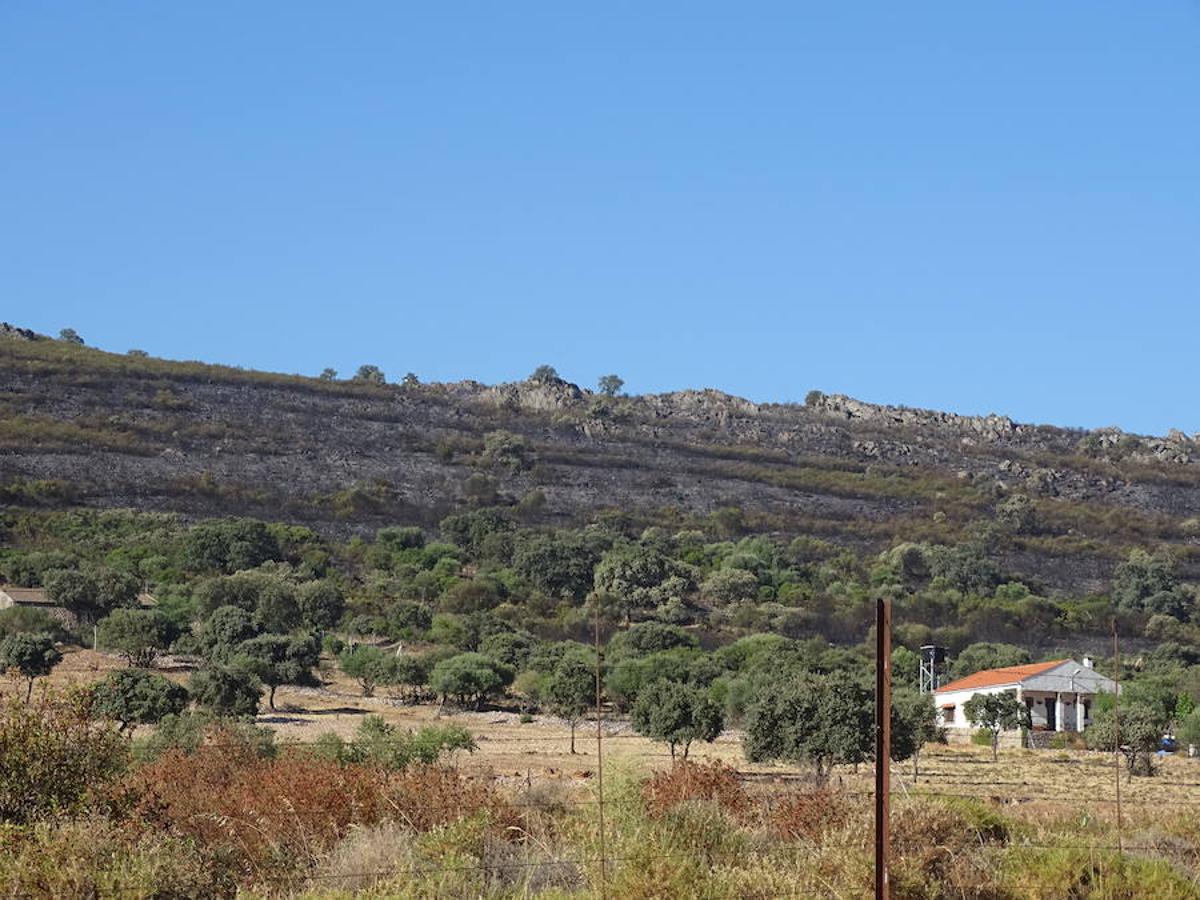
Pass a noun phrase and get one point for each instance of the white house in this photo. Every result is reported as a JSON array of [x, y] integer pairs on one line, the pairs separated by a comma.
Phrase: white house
[[1058, 694]]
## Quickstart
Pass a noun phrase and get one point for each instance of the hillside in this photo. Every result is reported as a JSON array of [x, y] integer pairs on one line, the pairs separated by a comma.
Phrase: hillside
[[79, 426]]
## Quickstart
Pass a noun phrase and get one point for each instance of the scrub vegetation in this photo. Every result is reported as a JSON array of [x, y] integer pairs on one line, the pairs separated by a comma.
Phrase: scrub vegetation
[[306, 687]]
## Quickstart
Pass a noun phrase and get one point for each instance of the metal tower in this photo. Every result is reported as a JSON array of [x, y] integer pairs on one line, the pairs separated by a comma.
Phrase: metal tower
[[933, 661]]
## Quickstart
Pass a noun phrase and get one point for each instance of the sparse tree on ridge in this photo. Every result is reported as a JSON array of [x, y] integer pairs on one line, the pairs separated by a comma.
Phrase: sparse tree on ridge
[[544, 374], [368, 374], [328, 374], [610, 385], [70, 335]]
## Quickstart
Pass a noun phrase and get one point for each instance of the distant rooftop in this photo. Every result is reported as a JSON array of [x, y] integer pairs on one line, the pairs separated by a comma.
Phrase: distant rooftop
[[1003, 675]]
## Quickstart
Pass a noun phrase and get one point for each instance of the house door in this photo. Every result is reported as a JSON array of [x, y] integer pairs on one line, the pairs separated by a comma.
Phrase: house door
[[1051, 721]]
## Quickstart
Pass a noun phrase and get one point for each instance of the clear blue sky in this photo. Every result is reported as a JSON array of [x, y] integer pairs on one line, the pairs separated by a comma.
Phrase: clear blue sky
[[972, 206]]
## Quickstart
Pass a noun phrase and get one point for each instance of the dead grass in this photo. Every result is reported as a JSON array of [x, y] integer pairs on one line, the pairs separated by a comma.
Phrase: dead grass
[[1034, 783]]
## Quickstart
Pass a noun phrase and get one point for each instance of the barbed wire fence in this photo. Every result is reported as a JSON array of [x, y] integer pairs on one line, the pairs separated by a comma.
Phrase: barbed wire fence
[[771, 788], [948, 785]]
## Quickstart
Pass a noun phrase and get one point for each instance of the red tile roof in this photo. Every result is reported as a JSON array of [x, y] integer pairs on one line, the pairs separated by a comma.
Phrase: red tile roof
[[997, 677]]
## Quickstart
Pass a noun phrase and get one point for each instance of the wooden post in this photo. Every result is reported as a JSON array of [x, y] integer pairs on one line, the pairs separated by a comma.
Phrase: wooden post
[[1117, 731], [600, 763], [883, 741]]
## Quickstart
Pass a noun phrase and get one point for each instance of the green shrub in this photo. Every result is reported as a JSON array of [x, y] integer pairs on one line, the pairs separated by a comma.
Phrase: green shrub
[[381, 744], [95, 857], [53, 752], [188, 731]]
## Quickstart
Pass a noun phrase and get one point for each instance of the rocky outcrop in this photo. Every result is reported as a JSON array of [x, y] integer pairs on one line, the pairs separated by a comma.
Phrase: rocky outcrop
[[534, 396], [990, 427], [341, 456], [12, 332]]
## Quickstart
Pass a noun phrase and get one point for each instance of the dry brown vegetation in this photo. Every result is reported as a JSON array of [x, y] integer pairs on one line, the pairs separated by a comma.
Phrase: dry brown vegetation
[[520, 817]]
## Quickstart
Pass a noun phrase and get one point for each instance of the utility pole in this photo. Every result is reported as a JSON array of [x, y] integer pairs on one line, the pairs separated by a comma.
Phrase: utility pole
[[600, 761], [883, 741], [1117, 731]]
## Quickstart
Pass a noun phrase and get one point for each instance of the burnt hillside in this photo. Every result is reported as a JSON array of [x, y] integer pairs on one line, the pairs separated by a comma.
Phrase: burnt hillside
[[80, 426]]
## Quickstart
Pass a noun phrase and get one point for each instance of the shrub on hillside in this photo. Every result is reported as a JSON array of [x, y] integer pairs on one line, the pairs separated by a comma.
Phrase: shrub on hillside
[[29, 655], [226, 690], [378, 743], [53, 752], [18, 619]]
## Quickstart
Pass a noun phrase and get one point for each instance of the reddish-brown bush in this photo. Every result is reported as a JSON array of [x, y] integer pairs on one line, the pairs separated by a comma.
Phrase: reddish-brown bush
[[808, 813], [273, 817], [714, 782], [424, 797]]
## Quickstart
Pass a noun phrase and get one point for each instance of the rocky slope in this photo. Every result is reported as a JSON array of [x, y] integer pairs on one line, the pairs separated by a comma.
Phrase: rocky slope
[[137, 432]]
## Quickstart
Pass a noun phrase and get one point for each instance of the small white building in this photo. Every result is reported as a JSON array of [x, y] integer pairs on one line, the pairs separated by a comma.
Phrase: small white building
[[11, 596], [1058, 694]]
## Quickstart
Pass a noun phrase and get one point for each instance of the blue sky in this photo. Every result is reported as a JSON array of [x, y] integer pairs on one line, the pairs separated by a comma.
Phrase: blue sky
[[976, 207]]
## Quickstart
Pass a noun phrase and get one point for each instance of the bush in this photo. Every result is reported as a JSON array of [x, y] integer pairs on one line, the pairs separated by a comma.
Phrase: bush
[[188, 731], [95, 857], [18, 619], [276, 818], [808, 814], [139, 635], [687, 781], [277, 659], [469, 678], [368, 665], [138, 697], [1140, 729], [53, 752], [227, 691], [321, 604], [225, 630], [229, 545], [408, 619], [646, 638], [381, 744]]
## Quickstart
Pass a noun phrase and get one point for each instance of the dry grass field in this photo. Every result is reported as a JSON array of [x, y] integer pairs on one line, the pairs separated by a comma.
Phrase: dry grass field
[[1035, 824], [511, 751]]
